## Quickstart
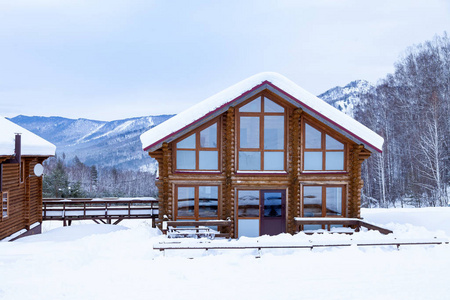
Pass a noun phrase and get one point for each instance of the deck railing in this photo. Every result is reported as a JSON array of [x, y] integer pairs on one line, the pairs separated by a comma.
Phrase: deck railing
[[107, 211], [328, 222]]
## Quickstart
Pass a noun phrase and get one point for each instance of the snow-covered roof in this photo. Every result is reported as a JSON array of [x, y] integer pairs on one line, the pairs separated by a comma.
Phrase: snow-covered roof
[[291, 92], [32, 144]]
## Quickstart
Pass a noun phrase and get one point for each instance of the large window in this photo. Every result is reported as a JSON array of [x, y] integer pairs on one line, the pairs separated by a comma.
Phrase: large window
[[261, 140], [323, 201], [248, 213], [199, 151], [5, 204], [321, 151], [197, 202]]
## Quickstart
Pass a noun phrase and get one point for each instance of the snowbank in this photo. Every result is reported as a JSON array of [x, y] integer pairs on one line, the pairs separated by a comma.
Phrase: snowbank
[[429, 218], [116, 262]]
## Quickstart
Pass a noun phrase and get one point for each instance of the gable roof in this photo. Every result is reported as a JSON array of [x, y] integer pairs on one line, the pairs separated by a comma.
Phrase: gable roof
[[276, 83], [32, 144]]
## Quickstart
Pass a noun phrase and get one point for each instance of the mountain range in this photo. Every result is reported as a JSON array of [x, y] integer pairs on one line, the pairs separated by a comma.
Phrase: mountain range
[[106, 144], [117, 144]]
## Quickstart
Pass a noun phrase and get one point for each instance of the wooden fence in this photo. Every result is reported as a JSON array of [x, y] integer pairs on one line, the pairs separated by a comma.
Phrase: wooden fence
[[107, 211], [259, 246]]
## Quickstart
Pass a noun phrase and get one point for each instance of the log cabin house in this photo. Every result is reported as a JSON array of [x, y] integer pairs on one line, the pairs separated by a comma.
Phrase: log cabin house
[[21, 153], [262, 153]]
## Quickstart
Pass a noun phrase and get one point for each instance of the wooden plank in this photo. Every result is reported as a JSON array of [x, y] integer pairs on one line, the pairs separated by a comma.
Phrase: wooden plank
[[199, 223]]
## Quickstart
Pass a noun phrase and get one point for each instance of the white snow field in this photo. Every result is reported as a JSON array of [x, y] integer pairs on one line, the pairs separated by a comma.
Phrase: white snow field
[[118, 262]]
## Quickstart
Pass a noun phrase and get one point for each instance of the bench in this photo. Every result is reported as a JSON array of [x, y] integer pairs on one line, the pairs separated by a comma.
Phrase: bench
[[187, 232], [192, 228]]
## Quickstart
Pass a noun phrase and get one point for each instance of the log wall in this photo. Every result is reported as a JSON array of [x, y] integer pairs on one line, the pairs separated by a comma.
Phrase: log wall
[[229, 180], [25, 198]]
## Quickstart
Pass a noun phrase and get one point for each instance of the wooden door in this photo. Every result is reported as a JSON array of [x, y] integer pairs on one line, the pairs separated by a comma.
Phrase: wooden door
[[273, 212]]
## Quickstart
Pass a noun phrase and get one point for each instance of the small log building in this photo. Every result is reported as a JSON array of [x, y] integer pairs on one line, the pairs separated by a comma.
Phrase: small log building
[[20, 188], [260, 153]]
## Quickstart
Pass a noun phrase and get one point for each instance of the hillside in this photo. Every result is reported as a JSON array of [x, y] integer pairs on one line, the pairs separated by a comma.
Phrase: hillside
[[346, 98], [115, 143]]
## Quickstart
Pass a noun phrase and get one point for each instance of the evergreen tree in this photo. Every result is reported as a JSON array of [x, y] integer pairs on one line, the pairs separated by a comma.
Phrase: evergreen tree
[[56, 184]]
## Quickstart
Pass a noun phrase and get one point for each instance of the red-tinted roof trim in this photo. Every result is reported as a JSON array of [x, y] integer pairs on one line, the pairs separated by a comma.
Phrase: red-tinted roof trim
[[281, 91], [326, 118]]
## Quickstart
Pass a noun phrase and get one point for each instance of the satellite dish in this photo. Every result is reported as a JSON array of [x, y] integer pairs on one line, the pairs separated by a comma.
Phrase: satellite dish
[[38, 170]]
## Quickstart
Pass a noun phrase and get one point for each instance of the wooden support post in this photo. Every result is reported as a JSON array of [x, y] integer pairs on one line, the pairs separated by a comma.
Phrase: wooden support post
[[229, 168], [354, 193], [164, 177], [294, 169], [39, 193]]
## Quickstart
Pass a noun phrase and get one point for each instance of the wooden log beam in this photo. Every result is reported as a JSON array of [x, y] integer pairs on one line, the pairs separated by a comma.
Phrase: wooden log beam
[[229, 168], [294, 169]]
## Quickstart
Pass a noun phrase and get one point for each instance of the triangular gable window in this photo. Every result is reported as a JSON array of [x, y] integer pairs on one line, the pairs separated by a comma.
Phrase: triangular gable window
[[254, 106], [199, 151], [322, 152], [187, 143], [270, 106]]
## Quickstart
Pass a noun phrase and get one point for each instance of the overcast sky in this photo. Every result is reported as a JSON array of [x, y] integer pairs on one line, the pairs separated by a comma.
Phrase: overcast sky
[[113, 59]]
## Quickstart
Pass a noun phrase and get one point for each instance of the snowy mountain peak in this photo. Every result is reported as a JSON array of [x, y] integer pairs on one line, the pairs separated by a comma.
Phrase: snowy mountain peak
[[108, 144], [345, 98]]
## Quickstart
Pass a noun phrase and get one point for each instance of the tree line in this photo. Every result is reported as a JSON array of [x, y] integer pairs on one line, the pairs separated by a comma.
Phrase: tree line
[[410, 109], [74, 179]]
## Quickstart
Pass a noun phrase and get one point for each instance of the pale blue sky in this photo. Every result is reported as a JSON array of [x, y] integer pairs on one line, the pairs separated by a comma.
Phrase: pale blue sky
[[116, 59]]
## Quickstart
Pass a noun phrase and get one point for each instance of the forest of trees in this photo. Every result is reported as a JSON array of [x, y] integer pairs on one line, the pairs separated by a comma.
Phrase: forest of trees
[[74, 179], [411, 110]]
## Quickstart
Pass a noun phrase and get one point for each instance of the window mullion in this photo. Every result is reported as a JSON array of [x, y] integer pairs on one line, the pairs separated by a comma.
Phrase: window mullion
[[197, 150], [261, 137], [196, 203], [324, 201], [324, 151]]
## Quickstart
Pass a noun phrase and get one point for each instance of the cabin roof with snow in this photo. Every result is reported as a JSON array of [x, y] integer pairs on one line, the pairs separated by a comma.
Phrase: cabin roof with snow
[[274, 82], [32, 145]]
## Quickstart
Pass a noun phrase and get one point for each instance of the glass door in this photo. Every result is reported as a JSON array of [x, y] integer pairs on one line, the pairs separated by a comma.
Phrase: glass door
[[273, 212]]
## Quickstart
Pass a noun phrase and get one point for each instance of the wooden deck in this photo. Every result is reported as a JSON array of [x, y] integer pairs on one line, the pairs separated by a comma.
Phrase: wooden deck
[[328, 222], [106, 211]]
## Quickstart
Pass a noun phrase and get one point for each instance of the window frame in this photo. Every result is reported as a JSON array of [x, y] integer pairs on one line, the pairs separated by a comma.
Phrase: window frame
[[198, 148], [324, 200], [323, 149], [237, 216], [261, 116], [196, 187], [7, 205]]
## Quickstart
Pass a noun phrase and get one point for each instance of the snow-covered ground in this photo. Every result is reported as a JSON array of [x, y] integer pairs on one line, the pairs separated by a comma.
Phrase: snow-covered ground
[[91, 261]]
